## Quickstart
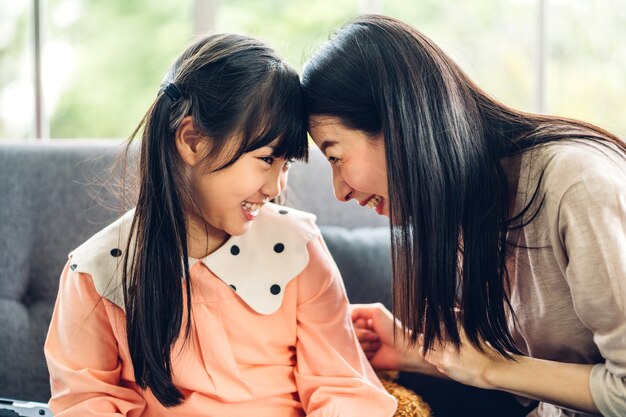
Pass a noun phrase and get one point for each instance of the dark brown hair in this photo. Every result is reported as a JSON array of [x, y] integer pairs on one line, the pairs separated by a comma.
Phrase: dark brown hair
[[444, 139], [235, 88]]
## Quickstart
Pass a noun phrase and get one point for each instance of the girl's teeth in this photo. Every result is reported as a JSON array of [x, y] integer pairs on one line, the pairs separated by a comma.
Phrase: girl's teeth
[[252, 207]]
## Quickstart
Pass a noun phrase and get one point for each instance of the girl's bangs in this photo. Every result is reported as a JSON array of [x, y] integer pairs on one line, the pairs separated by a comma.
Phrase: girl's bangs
[[278, 120]]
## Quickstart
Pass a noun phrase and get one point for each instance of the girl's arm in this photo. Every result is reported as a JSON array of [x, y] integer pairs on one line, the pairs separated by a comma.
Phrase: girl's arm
[[333, 376], [82, 355]]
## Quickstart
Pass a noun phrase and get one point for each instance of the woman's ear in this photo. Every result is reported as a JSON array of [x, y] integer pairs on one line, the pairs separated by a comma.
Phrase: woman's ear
[[191, 145]]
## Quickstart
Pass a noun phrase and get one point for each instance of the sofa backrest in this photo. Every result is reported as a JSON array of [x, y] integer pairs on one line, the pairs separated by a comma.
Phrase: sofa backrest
[[50, 202]]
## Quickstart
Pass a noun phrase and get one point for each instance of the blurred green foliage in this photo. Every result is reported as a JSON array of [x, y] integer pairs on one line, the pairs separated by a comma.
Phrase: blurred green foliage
[[122, 49]]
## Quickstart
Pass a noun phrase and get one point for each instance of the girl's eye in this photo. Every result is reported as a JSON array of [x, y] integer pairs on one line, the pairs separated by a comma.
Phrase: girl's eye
[[289, 162], [267, 159]]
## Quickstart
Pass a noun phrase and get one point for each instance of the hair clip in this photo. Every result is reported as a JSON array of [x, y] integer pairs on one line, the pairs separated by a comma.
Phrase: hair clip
[[173, 92]]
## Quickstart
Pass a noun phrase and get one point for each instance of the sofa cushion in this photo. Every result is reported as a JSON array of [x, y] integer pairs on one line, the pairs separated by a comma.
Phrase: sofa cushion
[[363, 256], [45, 211]]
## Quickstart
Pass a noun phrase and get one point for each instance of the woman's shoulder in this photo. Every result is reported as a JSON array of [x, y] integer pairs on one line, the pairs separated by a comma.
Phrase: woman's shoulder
[[561, 166]]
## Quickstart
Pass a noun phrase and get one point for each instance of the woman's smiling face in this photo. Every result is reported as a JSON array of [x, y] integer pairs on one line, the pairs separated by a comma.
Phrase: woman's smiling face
[[357, 160]]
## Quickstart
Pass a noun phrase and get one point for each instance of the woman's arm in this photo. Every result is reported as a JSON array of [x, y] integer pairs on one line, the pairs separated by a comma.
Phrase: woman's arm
[[585, 209], [562, 384], [558, 383]]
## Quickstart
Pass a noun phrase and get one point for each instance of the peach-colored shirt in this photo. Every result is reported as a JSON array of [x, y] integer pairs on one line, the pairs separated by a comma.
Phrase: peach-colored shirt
[[302, 359]]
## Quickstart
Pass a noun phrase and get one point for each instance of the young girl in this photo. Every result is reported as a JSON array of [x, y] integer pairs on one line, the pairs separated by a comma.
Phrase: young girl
[[508, 228], [206, 299]]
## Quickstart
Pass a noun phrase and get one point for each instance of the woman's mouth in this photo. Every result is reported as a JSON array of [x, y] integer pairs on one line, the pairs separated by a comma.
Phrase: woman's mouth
[[375, 202], [379, 207], [250, 210]]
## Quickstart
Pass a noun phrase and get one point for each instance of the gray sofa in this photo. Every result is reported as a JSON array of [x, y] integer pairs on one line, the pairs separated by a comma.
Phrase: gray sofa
[[51, 201]]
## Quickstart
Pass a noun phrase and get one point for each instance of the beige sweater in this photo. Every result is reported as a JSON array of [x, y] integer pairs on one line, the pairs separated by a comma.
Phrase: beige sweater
[[569, 293]]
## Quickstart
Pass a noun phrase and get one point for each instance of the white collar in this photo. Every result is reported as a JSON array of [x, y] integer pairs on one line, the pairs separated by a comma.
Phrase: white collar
[[257, 265]]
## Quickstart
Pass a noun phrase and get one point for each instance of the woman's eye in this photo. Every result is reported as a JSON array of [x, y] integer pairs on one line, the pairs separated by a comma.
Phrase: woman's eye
[[289, 162], [267, 159], [332, 159]]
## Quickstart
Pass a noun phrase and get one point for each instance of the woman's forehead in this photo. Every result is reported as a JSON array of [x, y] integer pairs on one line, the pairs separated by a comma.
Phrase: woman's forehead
[[322, 120]]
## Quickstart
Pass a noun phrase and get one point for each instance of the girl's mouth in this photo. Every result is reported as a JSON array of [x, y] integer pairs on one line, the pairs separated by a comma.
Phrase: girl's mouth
[[250, 210]]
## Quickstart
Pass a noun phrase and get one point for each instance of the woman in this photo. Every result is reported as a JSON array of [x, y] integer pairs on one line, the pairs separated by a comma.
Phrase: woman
[[508, 228]]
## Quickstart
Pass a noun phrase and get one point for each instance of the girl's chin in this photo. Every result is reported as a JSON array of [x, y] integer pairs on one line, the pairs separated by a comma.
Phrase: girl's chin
[[238, 229]]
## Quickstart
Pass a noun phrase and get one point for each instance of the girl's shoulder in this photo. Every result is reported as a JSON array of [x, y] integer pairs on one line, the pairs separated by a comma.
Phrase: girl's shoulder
[[101, 256]]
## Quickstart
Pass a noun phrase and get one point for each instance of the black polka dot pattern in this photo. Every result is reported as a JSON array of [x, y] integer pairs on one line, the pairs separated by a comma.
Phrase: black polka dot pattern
[[279, 247], [233, 287], [283, 211], [115, 252], [73, 267], [275, 289], [234, 250]]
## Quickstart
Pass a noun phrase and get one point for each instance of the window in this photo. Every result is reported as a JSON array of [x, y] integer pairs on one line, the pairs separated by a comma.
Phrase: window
[[586, 66], [16, 80], [102, 61]]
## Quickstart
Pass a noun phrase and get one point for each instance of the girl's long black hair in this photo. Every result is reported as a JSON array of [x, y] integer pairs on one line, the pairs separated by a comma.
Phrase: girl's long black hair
[[237, 91], [449, 198]]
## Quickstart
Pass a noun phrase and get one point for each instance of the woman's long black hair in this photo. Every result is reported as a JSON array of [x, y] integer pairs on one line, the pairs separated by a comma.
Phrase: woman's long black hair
[[237, 91], [449, 198]]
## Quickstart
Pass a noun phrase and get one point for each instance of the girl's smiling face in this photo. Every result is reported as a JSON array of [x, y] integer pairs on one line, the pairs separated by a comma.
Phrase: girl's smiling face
[[225, 202], [357, 161], [230, 199]]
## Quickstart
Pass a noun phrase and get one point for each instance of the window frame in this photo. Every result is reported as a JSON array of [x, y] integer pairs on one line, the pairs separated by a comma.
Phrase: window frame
[[204, 20]]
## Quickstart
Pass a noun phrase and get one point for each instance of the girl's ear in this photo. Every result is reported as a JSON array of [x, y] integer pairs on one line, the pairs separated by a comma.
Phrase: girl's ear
[[191, 145]]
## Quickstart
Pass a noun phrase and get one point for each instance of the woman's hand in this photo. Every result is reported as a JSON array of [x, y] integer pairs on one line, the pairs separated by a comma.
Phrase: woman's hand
[[558, 383], [374, 326], [468, 365]]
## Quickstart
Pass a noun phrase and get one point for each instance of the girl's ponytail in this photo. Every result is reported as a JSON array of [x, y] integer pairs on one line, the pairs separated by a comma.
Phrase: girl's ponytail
[[154, 307]]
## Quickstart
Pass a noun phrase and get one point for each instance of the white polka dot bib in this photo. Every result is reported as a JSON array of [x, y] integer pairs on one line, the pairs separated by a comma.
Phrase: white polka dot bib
[[256, 266]]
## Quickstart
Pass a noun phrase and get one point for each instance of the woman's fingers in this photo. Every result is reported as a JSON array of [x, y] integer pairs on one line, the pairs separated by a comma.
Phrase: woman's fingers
[[361, 323], [369, 341], [372, 316], [362, 311], [366, 335]]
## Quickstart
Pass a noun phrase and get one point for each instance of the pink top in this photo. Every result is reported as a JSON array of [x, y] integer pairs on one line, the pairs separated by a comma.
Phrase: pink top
[[301, 359]]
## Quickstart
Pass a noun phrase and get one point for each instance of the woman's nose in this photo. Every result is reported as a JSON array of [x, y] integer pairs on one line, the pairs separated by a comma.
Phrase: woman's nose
[[343, 192]]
